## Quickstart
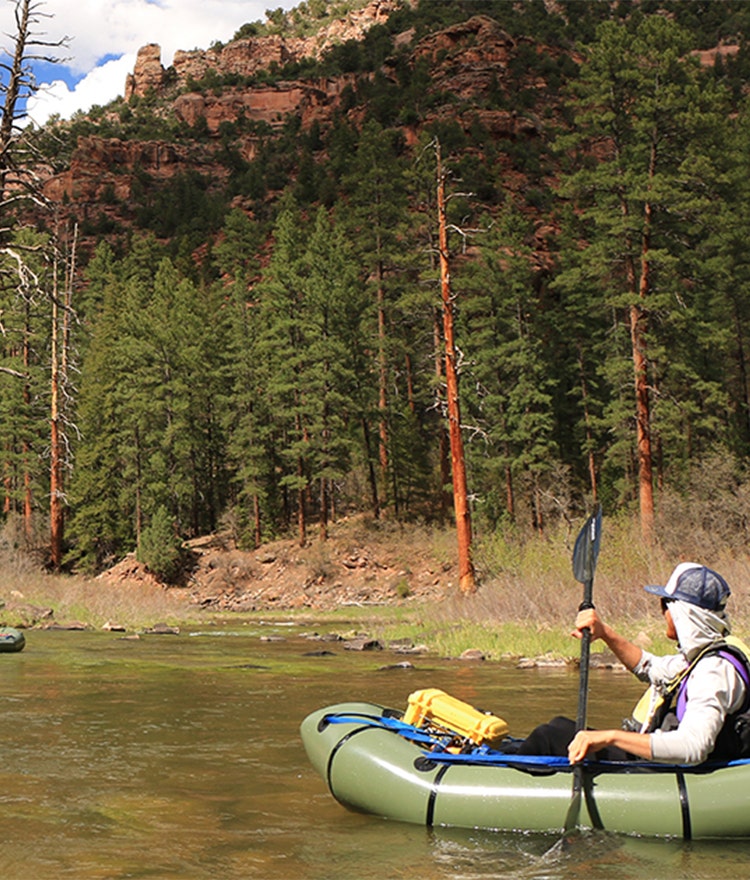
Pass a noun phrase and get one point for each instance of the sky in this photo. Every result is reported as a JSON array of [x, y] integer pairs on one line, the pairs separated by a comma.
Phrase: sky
[[104, 38]]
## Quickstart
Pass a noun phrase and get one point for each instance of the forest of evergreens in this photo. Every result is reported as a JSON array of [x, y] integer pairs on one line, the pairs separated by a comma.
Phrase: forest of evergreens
[[272, 366]]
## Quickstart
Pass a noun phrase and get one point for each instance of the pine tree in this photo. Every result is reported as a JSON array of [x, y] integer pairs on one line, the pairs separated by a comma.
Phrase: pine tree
[[644, 103], [282, 359], [377, 216], [511, 370], [246, 419], [150, 418], [335, 301], [101, 527]]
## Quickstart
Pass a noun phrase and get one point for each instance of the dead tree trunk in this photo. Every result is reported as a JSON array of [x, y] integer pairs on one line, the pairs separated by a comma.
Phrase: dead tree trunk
[[638, 332], [19, 181], [59, 357], [593, 481], [443, 441], [28, 507], [55, 470], [638, 327], [466, 575]]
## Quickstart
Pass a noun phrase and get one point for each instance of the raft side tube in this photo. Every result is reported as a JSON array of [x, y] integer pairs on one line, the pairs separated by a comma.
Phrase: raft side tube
[[320, 738], [376, 771], [639, 803], [503, 798], [11, 640], [372, 768], [718, 802]]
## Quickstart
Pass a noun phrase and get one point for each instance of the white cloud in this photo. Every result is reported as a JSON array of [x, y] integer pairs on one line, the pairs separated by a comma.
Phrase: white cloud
[[101, 86], [106, 29]]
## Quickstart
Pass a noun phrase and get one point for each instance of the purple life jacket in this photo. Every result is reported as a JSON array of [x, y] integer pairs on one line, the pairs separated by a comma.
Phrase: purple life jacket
[[739, 665]]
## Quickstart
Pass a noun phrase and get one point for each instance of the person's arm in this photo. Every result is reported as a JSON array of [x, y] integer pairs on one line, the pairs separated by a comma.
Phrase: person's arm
[[626, 652], [586, 741], [715, 690]]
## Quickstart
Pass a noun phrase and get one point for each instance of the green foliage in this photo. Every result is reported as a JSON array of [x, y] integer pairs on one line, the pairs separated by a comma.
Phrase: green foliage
[[148, 407], [509, 384], [663, 118], [160, 548], [186, 206], [280, 358]]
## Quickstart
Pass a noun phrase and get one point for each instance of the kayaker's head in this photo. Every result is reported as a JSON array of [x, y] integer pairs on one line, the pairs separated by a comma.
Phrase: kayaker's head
[[693, 602]]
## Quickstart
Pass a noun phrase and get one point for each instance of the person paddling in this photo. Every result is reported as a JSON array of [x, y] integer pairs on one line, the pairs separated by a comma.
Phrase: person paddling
[[688, 715]]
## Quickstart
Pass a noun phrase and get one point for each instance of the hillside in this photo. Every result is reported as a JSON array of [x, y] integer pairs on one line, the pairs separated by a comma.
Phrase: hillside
[[252, 333], [236, 124], [217, 114], [359, 565]]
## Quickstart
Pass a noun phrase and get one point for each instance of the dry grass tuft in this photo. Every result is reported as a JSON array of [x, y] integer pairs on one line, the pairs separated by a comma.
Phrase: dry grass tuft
[[90, 601], [529, 593]]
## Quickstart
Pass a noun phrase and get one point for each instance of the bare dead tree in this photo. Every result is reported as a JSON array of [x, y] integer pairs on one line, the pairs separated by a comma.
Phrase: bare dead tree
[[20, 190], [462, 512], [29, 46]]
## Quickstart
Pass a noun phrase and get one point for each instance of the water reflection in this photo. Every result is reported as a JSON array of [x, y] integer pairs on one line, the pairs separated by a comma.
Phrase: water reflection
[[178, 757]]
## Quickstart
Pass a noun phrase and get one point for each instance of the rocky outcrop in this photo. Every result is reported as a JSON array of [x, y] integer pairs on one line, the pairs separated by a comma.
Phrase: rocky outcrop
[[468, 63], [148, 74], [471, 58], [243, 58], [248, 56], [467, 59], [270, 104], [104, 168], [490, 44]]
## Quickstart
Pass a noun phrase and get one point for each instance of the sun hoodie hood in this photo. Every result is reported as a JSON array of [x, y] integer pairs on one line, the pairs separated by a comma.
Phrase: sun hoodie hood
[[697, 627]]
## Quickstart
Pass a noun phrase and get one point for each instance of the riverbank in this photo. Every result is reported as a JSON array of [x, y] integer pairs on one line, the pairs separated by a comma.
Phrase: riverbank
[[384, 580]]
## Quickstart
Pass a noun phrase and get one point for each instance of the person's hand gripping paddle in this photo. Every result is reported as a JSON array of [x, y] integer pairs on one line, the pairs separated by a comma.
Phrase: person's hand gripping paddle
[[585, 553]]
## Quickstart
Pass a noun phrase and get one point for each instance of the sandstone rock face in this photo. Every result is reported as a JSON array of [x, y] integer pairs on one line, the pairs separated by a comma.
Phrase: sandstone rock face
[[102, 166], [270, 104], [246, 57], [267, 105], [148, 73], [469, 60], [468, 57]]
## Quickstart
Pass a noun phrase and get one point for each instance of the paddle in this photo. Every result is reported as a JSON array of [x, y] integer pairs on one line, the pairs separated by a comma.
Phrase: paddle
[[585, 553]]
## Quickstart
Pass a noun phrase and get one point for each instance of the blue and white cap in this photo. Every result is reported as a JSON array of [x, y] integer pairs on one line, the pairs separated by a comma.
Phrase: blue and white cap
[[694, 583]]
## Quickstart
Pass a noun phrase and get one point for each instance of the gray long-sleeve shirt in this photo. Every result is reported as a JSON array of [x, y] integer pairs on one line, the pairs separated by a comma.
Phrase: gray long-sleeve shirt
[[714, 687]]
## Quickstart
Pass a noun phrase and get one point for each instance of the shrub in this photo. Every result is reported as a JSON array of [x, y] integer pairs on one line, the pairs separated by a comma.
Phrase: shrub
[[160, 548]]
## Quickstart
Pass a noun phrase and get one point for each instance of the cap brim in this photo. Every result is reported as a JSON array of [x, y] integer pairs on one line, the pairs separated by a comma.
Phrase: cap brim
[[657, 590]]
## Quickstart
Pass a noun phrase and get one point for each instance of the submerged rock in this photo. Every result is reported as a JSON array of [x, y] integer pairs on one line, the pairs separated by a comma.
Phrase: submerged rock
[[163, 629], [472, 654], [363, 644]]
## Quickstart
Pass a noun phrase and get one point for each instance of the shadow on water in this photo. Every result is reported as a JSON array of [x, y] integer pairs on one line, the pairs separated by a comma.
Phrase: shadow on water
[[179, 757]]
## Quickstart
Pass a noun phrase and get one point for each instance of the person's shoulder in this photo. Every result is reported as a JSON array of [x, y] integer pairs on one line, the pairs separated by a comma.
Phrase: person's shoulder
[[718, 663]]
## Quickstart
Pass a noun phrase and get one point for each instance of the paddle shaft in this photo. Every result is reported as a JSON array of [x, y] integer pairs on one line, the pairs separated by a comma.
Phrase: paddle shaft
[[585, 555], [584, 564], [583, 683]]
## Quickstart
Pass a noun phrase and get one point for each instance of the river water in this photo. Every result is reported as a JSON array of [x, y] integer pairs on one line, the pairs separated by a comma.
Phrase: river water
[[178, 756]]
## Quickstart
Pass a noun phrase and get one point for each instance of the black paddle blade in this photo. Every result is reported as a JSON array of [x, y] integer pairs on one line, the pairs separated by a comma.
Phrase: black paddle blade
[[586, 548]]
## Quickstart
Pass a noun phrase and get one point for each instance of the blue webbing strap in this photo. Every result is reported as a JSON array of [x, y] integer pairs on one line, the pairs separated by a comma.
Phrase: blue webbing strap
[[483, 755], [479, 755], [397, 726]]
